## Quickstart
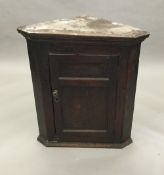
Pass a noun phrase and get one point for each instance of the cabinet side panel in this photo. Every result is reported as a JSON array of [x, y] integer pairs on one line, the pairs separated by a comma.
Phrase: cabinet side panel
[[41, 85], [121, 92], [132, 73]]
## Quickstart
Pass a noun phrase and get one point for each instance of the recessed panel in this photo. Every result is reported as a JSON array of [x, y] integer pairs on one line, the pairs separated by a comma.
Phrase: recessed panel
[[84, 69], [84, 108]]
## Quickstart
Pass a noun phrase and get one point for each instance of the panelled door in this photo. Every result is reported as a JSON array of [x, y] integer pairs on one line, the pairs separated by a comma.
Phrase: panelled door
[[84, 89]]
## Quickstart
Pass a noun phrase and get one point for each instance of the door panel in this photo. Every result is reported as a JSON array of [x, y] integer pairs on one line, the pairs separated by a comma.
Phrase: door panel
[[84, 113], [83, 69], [86, 88]]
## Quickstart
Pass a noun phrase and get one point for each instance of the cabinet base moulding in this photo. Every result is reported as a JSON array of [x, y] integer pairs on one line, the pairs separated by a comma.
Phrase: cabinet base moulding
[[83, 145]]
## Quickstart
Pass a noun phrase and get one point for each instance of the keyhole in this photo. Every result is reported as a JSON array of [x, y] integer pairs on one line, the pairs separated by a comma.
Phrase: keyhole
[[56, 99], [56, 95]]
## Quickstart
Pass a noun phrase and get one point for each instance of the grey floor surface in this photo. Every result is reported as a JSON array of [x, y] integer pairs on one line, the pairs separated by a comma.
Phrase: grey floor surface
[[21, 154]]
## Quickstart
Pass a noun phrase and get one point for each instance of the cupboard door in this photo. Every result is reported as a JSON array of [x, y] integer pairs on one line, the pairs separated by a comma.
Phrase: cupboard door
[[84, 89]]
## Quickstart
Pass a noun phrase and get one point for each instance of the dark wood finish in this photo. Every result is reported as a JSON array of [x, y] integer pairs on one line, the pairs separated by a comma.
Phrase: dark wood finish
[[55, 143], [84, 88], [86, 84]]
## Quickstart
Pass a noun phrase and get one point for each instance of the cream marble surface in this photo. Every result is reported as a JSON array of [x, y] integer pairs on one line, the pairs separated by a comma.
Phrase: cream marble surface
[[84, 25]]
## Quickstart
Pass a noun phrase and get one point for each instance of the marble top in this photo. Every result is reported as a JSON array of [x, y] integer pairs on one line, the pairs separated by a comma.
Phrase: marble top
[[84, 26]]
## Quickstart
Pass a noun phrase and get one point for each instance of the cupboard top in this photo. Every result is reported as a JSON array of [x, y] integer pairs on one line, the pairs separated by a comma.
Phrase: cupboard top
[[83, 26]]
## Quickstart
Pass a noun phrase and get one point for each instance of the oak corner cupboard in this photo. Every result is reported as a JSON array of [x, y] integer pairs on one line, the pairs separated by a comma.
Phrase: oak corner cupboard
[[84, 73]]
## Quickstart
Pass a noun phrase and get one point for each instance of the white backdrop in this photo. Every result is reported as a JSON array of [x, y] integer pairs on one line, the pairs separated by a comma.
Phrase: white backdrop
[[20, 153], [144, 14]]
